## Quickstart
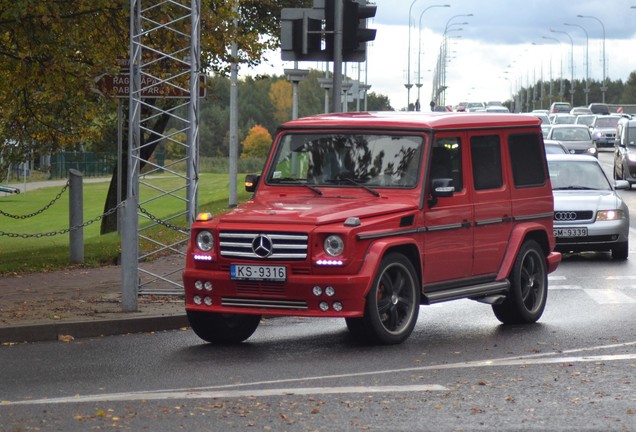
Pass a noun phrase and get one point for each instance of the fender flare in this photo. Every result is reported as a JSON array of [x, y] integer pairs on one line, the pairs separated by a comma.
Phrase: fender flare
[[377, 250], [517, 237]]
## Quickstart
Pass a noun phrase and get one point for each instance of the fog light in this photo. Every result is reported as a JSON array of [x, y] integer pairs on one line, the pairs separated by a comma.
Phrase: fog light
[[207, 285], [337, 306], [317, 290], [196, 299], [198, 285], [330, 291], [207, 300], [324, 306]]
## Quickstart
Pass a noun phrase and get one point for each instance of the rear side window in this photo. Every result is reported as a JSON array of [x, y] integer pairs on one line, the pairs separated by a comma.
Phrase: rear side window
[[527, 157], [486, 157]]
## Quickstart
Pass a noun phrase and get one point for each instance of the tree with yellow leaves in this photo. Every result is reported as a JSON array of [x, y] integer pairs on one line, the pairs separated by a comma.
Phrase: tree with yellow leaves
[[257, 143], [280, 94]]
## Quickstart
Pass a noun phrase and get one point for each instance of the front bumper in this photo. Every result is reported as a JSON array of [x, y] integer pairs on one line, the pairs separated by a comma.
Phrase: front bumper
[[294, 297], [601, 236]]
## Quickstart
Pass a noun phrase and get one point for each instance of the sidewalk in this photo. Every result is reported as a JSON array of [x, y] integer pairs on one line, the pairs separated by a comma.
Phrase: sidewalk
[[80, 302]]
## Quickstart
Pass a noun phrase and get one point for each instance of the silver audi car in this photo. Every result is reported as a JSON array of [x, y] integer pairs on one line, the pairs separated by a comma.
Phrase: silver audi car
[[588, 213]]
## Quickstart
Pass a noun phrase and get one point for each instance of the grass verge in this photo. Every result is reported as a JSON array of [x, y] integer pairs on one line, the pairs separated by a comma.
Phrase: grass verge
[[37, 243]]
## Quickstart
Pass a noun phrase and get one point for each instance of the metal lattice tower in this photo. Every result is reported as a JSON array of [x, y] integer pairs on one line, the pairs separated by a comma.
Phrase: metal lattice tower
[[165, 65]]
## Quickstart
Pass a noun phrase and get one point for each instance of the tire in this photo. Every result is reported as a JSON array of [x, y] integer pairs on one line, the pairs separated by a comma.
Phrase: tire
[[528, 287], [223, 328], [620, 251], [392, 305]]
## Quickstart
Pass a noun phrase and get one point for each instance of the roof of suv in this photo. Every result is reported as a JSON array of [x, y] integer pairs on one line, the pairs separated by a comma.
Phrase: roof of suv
[[412, 119]]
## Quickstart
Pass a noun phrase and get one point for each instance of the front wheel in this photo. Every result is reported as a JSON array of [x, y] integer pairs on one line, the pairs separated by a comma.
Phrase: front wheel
[[528, 287], [223, 328], [392, 305], [620, 251]]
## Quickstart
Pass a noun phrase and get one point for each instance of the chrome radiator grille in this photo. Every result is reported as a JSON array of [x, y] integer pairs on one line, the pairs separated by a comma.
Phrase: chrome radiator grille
[[259, 245]]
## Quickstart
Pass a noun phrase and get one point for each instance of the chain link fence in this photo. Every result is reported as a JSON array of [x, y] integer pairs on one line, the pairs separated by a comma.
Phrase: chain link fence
[[98, 218]]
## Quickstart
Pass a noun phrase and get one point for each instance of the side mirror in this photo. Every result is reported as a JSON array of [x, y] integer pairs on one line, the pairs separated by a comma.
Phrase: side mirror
[[442, 187], [251, 181], [621, 184]]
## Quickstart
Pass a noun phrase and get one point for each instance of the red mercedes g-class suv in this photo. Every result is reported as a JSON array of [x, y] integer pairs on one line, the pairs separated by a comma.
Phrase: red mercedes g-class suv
[[367, 216]]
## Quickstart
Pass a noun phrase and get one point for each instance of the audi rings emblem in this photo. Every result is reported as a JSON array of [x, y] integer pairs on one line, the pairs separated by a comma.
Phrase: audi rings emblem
[[262, 246], [564, 216]]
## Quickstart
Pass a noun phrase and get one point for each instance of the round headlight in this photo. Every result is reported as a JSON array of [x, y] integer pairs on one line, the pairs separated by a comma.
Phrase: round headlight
[[205, 241], [334, 245]]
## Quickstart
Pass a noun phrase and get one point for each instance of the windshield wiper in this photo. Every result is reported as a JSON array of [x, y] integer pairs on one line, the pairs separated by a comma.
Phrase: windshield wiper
[[291, 180], [339, 179]]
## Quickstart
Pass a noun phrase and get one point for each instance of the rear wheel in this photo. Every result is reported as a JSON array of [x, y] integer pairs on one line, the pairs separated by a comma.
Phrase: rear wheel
[[223, 328], [528, 287], [392, 305]]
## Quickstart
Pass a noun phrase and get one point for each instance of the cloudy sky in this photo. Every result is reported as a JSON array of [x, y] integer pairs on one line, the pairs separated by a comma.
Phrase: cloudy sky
[[496, 50]]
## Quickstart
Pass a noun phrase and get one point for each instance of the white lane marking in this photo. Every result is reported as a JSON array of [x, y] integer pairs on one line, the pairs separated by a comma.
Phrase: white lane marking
[[625, 277], [227, 394], [216, 391], [564, 287], [556, 278], [609, 296]]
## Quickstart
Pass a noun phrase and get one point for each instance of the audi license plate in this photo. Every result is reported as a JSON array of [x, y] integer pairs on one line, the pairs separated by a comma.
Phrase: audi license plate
[[570, 232], [258, 272]]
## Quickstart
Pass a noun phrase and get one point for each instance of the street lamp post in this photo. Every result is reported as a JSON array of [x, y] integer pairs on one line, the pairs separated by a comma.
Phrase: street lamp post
[[604, 87], [561, 68], [442, 83], [419, 52], [445, 62], [571, 64], [587, 62], [408, 84]]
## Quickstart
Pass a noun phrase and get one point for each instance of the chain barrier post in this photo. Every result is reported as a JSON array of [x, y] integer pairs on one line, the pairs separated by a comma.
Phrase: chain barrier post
[[76, 216]]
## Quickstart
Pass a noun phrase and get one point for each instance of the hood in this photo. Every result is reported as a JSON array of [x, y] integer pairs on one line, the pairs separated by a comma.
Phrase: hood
[[314, 210], [577, 200]]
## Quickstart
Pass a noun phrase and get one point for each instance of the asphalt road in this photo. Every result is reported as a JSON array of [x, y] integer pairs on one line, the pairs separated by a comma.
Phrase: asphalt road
[[459, 371]]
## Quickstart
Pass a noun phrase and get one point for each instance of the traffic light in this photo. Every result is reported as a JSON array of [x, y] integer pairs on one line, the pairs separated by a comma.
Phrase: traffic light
[[355, 33], [301, 37]]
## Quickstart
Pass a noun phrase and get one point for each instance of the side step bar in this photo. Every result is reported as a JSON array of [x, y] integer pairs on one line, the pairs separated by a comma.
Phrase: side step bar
[[472, 292]]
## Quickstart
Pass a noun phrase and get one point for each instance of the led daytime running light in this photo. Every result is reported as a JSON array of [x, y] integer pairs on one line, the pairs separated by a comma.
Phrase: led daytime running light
[[323, 262]]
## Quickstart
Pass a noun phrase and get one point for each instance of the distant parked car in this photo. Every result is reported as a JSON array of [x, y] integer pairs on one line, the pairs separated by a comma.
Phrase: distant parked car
[[586, 119], [545, 122], [604, 130], [562, 118], [576, 138], [599, 108], [9, 189], [555, 147], [580, 110], [560, 107], [497, 109], [588, 213], [625, 151]]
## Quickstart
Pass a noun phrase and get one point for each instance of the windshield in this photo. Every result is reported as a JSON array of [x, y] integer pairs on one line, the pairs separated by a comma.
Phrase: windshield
[[606, 122], [344, 159], [577, 175], [571, 134]]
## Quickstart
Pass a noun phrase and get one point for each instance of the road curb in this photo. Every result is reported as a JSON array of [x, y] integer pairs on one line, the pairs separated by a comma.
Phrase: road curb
[[84, 329]]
